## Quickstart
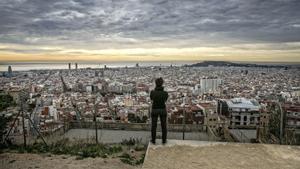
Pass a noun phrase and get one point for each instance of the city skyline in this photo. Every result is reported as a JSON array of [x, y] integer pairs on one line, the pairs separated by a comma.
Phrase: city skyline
[[158, 30]]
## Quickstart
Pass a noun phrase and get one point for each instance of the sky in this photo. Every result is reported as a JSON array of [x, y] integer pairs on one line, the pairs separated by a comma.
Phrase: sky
[[150, 30]]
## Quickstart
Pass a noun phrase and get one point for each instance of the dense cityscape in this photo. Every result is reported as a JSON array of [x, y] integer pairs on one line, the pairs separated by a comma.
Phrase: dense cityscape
[[245, 104], [159, 84]]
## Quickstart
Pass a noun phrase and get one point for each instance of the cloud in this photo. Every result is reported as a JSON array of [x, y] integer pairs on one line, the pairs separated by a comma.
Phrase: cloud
[[105, 24]]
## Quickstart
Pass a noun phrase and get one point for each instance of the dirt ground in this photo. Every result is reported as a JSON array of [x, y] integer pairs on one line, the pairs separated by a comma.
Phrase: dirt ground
[[223, 156], [47, 161]]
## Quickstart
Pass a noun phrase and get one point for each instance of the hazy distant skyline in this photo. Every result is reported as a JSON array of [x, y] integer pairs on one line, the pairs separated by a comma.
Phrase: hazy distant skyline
[[150, 30]]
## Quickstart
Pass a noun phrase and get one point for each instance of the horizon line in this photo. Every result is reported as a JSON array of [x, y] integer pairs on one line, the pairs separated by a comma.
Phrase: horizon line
[[137, 61]]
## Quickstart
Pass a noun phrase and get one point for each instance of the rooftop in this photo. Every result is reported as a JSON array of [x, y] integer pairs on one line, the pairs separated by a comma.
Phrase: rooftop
[[243, 103], [178, 154]]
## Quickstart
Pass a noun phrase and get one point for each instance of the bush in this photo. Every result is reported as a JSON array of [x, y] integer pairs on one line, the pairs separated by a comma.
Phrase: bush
[[126, 158], [83, 150], [140, 147], [78, 149], [141, 160], [3, 130], [5, 101], [131, 141]]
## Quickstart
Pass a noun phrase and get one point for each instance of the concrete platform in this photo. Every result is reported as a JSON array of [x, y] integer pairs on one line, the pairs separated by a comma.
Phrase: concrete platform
[[178, 154]]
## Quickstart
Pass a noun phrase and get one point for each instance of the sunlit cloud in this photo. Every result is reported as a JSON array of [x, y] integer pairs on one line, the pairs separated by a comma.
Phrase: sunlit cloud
[[251, 30]]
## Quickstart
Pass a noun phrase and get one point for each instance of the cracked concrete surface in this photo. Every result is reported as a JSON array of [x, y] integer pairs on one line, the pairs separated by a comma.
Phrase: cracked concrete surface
[[177, 154]]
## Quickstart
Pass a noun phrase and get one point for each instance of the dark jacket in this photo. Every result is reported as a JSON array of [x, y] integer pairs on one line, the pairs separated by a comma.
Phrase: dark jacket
[[159, 97]]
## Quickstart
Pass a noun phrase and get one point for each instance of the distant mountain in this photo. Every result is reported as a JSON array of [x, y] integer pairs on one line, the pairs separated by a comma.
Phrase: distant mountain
[[231, 64]]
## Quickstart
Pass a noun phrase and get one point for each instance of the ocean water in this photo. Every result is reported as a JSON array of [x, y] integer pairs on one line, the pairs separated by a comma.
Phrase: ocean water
[[25, 66]]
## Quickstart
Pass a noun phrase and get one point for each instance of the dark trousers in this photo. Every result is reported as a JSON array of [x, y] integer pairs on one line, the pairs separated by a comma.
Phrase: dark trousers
[[162, 114]]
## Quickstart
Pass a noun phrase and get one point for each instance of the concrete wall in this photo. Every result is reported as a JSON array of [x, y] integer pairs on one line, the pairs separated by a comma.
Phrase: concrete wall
[[137, 126]]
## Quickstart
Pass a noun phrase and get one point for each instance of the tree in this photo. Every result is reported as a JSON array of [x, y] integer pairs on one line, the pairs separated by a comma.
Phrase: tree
[[274, 123], [144, 119], [3, 126], [5, 101]]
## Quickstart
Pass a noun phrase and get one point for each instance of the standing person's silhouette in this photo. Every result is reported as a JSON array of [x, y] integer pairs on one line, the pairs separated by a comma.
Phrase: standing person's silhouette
[[159, 98]]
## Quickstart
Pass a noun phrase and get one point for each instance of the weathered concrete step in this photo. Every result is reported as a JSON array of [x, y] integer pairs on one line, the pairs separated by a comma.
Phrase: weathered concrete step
[[179, 154]]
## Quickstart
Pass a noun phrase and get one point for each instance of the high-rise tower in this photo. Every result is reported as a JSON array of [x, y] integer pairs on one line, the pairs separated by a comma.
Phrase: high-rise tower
[[9, 71]]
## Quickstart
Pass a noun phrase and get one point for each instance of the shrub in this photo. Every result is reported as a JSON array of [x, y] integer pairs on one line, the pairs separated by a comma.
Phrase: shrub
[[83, 150], [141, 160], [140, 147], [131, 141], [126, 158]]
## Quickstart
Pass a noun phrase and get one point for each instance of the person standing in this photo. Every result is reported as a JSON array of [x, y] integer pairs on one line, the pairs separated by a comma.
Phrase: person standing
[[159, 98]]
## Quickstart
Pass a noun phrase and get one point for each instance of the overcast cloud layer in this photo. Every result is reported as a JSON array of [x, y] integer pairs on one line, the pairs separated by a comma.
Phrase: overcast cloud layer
[[49, 26]]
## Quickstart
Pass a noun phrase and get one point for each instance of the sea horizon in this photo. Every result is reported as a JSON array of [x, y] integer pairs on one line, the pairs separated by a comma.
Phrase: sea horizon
[[40, 65]]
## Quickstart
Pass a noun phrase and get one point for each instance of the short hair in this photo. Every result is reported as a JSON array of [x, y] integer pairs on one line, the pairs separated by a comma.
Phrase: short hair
[[159, 82]]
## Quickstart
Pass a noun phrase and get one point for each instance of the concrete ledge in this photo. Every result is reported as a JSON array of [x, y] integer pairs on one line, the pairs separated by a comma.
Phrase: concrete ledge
[[178, 154], [137, 126], [192, 143]]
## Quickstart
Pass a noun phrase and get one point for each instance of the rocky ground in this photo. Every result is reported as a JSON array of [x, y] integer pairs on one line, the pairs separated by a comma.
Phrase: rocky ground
[[49, 161]]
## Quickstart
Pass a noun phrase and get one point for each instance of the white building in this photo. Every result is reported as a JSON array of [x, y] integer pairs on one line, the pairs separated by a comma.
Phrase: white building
[[53, 113], [244, 113], [209, 85]]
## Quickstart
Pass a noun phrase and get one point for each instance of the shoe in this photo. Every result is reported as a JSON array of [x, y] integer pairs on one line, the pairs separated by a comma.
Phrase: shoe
[[164, 142]]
